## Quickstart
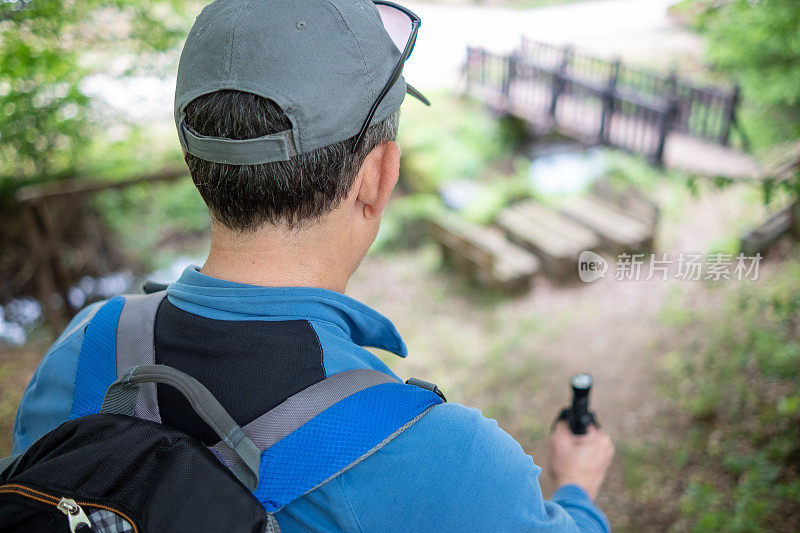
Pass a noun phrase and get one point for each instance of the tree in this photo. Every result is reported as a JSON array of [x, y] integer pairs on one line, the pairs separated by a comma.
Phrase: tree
[[758, 43], [47, 49]]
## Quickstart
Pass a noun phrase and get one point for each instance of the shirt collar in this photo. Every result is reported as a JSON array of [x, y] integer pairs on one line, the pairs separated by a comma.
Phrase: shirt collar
[[227, 300]]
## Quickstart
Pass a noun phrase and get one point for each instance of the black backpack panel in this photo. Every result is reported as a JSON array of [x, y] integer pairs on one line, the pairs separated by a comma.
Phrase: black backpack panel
[[131, 474]]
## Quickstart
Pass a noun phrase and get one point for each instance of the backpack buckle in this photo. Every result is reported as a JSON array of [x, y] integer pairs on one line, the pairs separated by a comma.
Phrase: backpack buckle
[[427, 385], [150, 287]]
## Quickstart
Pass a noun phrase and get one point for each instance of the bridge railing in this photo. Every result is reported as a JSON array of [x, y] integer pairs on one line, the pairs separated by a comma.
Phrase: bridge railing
[[486, 72], [589, 110], [704, 112]]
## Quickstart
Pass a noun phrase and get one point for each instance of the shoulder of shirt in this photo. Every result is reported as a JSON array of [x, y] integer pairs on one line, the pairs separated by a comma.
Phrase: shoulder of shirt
[[450, 466], [468, 433]]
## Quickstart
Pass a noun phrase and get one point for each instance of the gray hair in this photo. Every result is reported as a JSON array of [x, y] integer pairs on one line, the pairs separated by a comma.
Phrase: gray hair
[[244, 197]]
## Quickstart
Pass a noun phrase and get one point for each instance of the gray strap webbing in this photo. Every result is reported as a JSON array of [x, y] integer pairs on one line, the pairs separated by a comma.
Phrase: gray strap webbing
[[136, 346], [85, 322], [272, 525], [8, 464], [296, 410], [121, 398]]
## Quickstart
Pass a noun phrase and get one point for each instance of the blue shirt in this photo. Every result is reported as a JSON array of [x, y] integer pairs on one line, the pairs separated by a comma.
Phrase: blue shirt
[[454, 470]]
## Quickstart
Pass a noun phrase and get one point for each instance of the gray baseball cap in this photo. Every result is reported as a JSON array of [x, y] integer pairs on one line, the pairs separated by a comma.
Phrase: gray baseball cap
[[324, 62]]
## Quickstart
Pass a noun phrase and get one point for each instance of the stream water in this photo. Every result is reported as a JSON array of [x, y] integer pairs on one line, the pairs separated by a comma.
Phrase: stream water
[[555, 169], [564, 168], [21, 316]]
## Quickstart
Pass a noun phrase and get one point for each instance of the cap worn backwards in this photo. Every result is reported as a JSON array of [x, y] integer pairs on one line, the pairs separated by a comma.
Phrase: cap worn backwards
[[324, 62]]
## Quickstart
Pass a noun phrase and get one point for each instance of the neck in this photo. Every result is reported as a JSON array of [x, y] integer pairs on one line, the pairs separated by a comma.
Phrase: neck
[[277, 257]]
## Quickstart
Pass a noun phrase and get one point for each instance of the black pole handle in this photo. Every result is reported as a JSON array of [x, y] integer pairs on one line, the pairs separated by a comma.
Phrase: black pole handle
[[578, 415]]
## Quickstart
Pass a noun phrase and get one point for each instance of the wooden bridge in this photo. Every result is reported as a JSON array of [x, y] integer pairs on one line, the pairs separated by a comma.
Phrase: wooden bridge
[[669, 120]]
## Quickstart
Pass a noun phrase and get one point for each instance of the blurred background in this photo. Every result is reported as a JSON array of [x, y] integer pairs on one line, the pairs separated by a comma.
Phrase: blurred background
[[557, 126]]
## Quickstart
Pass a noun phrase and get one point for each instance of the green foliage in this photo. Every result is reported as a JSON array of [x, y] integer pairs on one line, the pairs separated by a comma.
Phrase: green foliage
[[736, 378], [629, 170], [757, 43], [146, 219], [498, 192], [454, 139], [403, 222], [786, 189], [47, 49]]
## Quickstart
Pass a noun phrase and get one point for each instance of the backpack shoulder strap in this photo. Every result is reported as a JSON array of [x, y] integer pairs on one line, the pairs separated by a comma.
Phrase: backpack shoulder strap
[[331, 426], [298, 409], [136, 346], [119, 335]]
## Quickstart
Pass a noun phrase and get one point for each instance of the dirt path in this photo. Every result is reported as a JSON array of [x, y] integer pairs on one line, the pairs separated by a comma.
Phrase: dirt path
[[513, 358]]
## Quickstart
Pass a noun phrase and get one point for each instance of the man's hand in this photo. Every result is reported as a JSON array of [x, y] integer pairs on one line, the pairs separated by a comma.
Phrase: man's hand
[[580, 459]]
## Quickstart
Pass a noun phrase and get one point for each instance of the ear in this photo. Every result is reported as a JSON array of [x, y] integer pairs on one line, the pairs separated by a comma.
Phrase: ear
[[378, 176]]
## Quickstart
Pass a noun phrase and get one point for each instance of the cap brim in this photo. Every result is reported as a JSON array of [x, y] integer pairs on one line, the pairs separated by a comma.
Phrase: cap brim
[[416, 94]]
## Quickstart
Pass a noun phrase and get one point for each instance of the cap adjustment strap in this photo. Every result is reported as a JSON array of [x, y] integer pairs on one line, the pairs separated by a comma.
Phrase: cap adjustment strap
[[267, 149]]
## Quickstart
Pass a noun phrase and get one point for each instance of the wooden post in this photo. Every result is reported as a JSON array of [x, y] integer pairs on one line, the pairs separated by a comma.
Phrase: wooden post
[[667, 117], [468, 68], [510, 71], [524, 47], [729, 118], [609, 101], [664, 127], [559, 80]]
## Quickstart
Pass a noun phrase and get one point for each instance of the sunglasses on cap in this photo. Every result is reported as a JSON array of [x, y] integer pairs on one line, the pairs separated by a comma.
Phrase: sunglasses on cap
[[402, 25]]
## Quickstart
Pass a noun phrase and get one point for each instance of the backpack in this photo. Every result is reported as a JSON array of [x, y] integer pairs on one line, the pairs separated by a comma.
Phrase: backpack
[[113, 467]]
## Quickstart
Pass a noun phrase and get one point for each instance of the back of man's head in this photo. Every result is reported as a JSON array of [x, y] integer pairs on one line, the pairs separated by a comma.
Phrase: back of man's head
[[273, 99], [282, 193]]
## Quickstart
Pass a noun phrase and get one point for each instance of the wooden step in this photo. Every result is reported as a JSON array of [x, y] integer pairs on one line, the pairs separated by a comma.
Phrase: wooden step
[[484, 254], [618, 231], [630, 200], [761, 239], [554, 238]]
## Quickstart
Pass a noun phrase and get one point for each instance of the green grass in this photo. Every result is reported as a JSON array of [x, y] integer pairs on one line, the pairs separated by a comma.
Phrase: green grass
[[732, 377]]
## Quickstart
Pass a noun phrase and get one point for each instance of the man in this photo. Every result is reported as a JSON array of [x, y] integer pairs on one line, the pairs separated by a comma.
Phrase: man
[[287, 113]]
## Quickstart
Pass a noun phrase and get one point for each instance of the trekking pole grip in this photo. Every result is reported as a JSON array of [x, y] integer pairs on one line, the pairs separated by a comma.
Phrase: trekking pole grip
[[121, 399], [578, 415]]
